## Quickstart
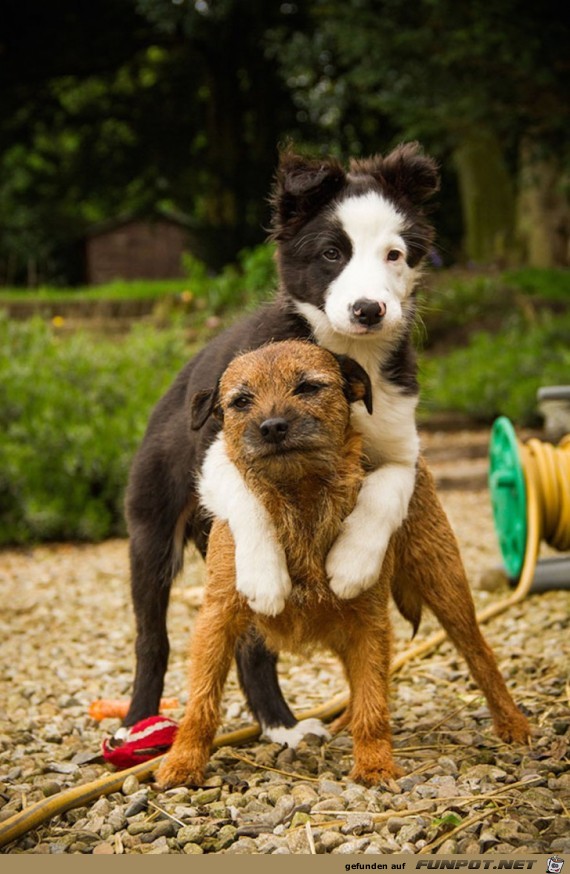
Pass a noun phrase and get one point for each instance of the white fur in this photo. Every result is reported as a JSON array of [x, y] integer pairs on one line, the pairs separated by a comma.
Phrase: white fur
[[391, 446], [374, 227], [261, 567], [291, 737]]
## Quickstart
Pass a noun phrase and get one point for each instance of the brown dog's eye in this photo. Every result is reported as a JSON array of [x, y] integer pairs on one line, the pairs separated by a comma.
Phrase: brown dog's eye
[[242, 402], [331, 254], [308, 388]]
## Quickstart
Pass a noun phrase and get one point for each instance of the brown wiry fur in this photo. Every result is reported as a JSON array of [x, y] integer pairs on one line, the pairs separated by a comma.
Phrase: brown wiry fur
[[308, 493]]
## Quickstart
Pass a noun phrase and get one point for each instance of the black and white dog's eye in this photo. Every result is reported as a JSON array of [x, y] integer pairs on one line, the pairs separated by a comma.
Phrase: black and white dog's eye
[[394, 255], [242, 402], [332, 254]]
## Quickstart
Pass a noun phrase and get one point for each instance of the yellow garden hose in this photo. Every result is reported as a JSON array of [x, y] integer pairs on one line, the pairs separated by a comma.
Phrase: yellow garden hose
[[530, 495], [547, 483]]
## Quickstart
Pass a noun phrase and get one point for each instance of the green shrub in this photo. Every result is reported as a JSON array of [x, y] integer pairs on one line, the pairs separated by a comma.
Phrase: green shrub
[[457, 304], [72, 412], [546, 283], [246, 283], [500, 373], [119, 289]]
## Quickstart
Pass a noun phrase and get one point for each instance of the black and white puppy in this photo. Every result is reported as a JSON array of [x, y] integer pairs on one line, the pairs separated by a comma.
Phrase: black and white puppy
[[350, 245]]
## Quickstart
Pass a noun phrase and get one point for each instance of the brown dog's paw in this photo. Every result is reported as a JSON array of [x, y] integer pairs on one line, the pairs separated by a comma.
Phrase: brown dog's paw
[[179, 770], [513, 728], [382, 772]]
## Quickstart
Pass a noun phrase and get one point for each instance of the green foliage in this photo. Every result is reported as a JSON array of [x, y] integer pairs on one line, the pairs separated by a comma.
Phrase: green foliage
[[72, 412], [429, 69], [539, 282], [448, 821], [132, 108], [137, 289], [247, 283], [499, 373], [144, 105], [459, 303]]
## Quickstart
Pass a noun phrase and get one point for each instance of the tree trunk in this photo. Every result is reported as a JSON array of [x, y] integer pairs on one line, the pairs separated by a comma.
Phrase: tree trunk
[[543, 209], [487, 199]]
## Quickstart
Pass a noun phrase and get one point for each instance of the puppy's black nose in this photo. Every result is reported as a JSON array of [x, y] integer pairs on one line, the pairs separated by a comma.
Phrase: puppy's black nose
[[368, 312], [274, 430]]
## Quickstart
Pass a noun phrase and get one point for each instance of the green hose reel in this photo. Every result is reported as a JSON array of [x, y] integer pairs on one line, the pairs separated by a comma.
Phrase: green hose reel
[[508, 495]]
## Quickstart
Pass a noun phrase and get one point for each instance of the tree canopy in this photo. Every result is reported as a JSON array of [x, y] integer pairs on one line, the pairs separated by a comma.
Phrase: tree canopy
[[132, 106]]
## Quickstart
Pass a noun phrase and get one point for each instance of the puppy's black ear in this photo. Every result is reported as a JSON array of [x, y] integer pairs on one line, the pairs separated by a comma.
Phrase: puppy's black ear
[[302, 187], [204, 404], [357, 385], [410, 173]]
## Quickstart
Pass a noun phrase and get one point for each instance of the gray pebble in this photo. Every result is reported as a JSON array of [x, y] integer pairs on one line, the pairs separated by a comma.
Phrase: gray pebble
[[243, 846], [395, 823], [329, 787], [193, 849], [51, 788], [206, 796], [357, 846], [357, 824], [130, 785], [331, 839], [137, 804]]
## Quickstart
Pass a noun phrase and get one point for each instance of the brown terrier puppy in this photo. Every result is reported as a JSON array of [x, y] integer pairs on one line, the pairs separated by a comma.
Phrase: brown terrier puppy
[[285, 410]]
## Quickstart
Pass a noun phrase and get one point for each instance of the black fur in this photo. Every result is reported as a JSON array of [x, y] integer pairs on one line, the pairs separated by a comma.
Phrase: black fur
[[162, 508]]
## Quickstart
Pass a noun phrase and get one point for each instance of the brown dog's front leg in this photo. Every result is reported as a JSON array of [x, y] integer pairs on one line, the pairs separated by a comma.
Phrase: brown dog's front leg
[[365, 652], [211, 655]]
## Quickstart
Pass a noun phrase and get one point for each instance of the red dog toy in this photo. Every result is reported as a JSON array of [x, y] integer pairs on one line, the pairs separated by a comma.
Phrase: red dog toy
[[147, 739]]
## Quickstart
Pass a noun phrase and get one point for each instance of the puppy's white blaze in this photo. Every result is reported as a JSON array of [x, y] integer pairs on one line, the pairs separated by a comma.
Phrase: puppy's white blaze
[[374, 227], [292, 737], [261, 567], [369, 219]]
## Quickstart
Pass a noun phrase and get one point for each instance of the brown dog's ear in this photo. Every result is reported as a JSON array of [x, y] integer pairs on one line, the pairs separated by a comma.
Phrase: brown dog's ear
[[357, 385], [302, 187], [204, 404]]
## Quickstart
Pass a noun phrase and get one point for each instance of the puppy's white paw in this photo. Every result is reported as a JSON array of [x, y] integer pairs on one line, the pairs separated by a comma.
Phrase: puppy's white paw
[[291, 737], [353, 564], [122, 734], [262, 577]]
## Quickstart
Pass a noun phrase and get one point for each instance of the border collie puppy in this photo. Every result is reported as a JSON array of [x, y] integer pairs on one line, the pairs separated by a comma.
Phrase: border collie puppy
[[349, 252]]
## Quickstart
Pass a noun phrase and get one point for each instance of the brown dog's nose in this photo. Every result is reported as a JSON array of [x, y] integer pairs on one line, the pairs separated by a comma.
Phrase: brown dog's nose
[[368, 312], [274, 430]]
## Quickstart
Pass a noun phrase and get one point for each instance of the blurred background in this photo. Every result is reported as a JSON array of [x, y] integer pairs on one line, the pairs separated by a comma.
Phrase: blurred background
[[175, 108], [138, 141]]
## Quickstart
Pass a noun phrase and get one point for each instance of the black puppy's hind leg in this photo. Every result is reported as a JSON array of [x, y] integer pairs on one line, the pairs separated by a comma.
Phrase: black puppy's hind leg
[[156, 555], [257, 673]]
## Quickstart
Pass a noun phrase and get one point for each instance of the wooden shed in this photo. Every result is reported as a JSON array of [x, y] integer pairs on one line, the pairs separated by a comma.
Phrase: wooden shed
[[136, 248]]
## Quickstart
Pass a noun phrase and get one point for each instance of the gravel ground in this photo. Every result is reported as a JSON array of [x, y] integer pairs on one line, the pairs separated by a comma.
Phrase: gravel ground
[[67, 638]]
